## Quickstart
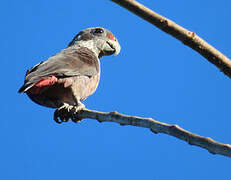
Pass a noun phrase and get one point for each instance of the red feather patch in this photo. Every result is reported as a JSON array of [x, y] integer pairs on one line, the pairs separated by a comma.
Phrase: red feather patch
[[37, 87], [110, 36]]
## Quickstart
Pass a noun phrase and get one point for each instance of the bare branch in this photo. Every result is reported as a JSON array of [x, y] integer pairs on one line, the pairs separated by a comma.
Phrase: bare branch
[[187, 37], [158, 127], [195, 42]]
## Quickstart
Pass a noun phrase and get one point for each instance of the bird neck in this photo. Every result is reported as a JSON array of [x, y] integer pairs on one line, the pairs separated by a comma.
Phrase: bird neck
[[90, 44]]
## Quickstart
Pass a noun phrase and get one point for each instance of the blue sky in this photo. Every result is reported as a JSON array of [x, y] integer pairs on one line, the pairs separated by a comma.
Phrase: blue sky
[[154, 76]]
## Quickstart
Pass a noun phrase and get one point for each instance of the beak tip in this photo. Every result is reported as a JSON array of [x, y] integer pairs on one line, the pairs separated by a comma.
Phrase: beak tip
[[117, 49]]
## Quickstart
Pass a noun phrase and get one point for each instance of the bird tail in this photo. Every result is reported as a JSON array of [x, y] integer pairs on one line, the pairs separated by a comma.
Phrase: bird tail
[[24, 88]]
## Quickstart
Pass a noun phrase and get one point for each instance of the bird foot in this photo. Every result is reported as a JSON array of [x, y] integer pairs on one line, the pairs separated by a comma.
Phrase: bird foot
[[67, 112]]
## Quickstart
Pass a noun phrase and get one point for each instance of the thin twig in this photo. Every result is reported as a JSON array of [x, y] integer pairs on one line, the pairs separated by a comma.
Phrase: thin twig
[[158, 127], [187, 37]]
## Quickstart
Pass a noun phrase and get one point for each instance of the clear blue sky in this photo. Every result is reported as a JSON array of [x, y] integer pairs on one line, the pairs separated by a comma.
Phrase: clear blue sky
[[154, 76]]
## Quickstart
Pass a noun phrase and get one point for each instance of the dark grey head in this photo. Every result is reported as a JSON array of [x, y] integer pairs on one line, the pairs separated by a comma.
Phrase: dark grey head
[[98, 39]]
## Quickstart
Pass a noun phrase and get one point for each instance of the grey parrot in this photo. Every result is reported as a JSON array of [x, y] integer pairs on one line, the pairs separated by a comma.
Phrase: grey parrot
[[70, 76]]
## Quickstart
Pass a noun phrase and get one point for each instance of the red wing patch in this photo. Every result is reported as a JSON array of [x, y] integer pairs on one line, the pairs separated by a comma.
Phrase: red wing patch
[[37, 87]]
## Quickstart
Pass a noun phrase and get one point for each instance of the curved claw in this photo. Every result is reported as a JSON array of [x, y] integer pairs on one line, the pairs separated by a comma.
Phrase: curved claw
[[56, 117], [67, 112], [63, 114], [74, 116]]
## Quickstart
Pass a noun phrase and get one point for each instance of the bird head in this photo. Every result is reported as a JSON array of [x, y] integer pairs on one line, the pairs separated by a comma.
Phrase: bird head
[[99, 40]]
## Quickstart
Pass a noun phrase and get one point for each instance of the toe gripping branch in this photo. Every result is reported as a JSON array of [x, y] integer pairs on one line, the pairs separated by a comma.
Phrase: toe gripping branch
[[67, 112]]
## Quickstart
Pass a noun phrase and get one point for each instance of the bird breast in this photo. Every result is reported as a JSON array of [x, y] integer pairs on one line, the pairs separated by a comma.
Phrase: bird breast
[[83, 86]]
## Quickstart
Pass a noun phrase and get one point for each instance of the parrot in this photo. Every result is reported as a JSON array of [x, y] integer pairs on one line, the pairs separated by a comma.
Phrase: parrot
[[64, 80]]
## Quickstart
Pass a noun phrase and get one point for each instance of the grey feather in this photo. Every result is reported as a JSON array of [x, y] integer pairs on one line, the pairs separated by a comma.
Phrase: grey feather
[[73, 61]]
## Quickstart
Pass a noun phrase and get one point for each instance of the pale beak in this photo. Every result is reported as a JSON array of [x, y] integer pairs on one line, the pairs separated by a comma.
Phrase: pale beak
[[114, 45]]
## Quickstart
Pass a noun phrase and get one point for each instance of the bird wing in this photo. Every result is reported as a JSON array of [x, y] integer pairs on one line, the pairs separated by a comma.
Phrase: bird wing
[[69, 62]]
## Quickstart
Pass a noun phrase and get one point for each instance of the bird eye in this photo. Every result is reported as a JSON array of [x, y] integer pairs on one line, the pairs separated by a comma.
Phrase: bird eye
[[97, 31]]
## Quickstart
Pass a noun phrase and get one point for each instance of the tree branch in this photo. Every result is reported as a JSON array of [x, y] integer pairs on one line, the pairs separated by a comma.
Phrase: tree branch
[[157, 127], [187, 37], [195, 42]]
